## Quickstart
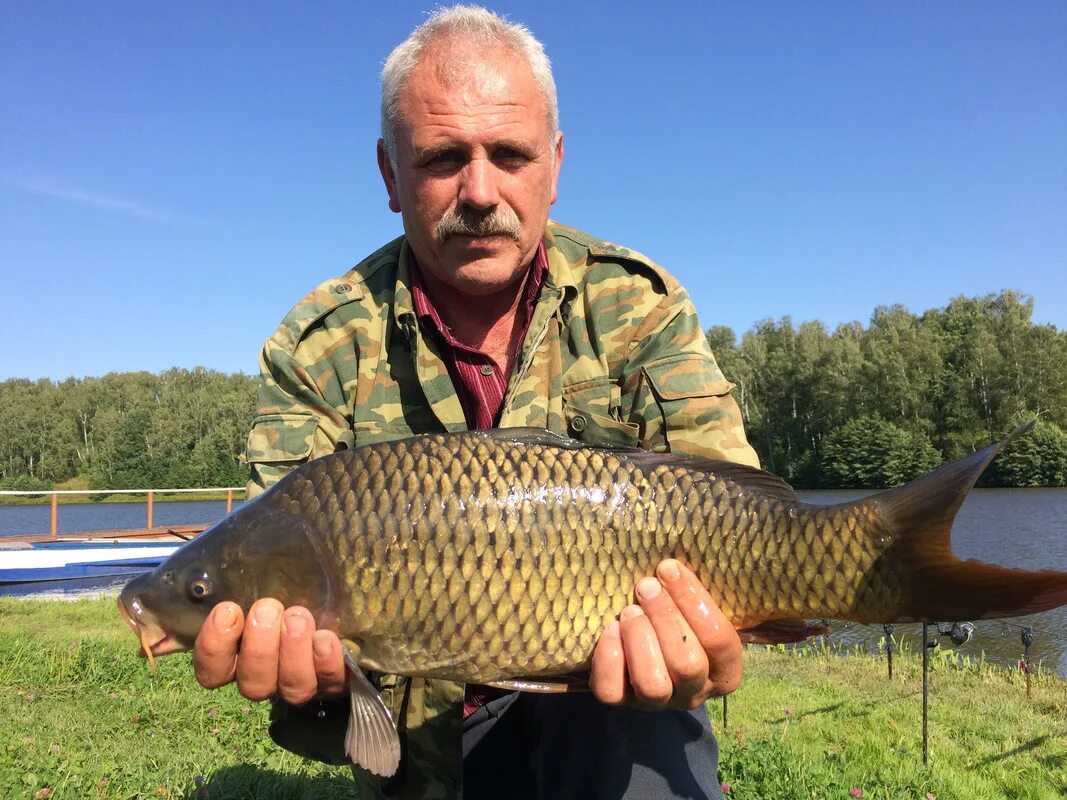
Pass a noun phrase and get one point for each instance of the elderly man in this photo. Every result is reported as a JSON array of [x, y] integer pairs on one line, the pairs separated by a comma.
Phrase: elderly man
[[486, 314]]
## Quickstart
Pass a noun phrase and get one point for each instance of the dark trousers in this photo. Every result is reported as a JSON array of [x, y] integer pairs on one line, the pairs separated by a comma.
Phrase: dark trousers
[[558, 747]]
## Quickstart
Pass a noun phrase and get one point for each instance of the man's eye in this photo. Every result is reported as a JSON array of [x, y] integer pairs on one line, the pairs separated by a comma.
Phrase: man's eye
[[444, 162], [510, 159]]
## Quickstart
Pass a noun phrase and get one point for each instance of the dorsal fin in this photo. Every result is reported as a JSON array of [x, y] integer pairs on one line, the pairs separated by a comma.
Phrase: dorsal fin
[[751, 478], [758, 480], [743, 475], [531, 436]]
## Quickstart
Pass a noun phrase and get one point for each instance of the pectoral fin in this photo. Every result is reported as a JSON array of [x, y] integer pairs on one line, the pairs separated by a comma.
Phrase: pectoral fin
[[371, 740]]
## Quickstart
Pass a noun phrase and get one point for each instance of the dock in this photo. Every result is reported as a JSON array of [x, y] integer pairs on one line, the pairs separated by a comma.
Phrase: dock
[[159, 533]]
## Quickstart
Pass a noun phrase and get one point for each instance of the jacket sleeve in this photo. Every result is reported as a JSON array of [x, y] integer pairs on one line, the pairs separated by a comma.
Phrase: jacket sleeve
[[294, 420], [676, 392]]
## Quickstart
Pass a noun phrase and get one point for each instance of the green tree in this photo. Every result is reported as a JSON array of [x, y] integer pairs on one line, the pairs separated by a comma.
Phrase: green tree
[[902, 358], [871, 453], [1038, 458]]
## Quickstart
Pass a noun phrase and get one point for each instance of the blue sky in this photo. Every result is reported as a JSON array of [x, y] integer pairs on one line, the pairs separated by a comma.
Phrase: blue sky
[[174, 177]]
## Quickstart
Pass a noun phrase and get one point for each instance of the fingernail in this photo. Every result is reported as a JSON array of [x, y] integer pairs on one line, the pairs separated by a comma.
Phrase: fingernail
[[294, 624], [266, 614], [225, 617], [648, 588], [632, 611], [611, 629], [322, 643], [668, 570]]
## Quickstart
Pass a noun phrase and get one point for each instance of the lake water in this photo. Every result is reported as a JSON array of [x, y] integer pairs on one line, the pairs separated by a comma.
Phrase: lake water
[[1024, 528]]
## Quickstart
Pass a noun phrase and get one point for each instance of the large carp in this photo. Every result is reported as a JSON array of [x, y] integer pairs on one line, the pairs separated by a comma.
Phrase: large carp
[[497, 557]]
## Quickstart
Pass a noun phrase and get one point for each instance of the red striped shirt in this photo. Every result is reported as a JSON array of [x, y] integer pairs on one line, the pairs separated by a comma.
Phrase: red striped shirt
[[479, 382]]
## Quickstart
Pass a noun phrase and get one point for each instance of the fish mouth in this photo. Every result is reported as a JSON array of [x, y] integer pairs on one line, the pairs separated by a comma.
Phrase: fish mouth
[[154, 640]]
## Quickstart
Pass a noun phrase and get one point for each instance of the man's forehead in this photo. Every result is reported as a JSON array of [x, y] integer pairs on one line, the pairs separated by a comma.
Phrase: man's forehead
[[452, 89], [455, 67]]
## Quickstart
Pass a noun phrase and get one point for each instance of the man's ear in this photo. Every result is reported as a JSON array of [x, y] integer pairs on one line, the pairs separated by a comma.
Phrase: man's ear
[[557, 165], [385, 166]]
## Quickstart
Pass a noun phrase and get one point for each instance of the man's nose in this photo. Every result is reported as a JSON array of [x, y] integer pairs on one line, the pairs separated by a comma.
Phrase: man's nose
[[478, 187]]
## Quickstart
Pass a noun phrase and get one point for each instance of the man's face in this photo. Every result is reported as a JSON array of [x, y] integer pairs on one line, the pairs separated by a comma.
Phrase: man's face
[[473, 150]]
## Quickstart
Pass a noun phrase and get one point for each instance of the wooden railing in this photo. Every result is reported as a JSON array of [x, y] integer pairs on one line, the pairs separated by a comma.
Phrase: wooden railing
[[149, 501]]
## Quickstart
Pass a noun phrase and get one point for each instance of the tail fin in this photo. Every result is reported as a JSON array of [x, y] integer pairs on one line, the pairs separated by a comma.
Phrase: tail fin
[[943, 587]]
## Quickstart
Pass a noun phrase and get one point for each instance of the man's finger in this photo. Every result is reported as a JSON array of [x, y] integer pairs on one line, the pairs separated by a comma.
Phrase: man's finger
[[716, 635], [683, 654], [607, 676], [296, 666], [329, 663], [257, 663], [649, 678], [215, 651]]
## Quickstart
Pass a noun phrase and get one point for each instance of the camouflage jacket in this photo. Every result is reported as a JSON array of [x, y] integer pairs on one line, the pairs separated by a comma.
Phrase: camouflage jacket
[[614, 354]]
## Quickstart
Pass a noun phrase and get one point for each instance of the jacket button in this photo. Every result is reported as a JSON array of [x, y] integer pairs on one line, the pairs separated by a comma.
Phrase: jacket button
[[342, 288], [487, 369], [578, 423]]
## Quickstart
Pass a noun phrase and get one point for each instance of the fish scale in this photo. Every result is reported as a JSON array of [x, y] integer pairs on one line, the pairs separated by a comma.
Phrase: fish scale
[[459, 591]]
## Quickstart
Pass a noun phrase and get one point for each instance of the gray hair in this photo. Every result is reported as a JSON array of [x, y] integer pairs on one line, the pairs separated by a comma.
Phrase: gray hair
[[462, 22]]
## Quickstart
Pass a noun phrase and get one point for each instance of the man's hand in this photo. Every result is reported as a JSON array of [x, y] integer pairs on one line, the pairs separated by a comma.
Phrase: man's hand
[[274, 651], [675, 649]]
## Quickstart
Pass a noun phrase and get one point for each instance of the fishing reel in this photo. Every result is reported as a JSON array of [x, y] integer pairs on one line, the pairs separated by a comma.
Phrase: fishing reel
[[959, 633], [1027, 636]]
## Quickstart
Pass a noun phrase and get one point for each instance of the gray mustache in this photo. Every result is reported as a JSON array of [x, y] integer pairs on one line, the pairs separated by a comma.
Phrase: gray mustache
[[465, 221]]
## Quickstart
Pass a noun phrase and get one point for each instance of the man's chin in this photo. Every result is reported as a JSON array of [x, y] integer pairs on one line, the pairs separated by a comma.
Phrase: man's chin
[[484, 276]]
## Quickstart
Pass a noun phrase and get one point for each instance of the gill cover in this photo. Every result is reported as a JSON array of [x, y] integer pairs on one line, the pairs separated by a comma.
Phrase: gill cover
[[280, 556]]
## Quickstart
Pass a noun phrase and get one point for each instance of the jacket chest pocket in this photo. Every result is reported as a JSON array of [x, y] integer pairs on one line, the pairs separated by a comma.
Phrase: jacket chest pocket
[[396, 408], [592, 412]]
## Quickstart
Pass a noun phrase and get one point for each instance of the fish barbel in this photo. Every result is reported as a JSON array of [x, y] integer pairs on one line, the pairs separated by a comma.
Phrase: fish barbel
[[497, 557]]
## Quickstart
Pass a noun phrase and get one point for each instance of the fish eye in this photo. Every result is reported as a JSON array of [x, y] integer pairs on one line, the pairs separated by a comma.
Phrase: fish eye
[[200, 588]]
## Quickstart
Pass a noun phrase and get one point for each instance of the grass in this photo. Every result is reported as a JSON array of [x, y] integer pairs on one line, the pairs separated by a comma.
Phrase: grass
[[83, 719], [815, 722]]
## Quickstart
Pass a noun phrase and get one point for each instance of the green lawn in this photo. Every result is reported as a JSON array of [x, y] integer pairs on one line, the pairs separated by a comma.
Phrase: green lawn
[[806, 725], [83, 718]]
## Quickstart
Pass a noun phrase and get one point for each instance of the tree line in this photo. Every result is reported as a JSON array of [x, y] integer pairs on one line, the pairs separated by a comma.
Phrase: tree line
[[877, 405], [862, 406], [178, 429]]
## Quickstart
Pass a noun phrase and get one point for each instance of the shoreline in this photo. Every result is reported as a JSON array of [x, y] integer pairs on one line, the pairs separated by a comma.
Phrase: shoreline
[[137, 499]]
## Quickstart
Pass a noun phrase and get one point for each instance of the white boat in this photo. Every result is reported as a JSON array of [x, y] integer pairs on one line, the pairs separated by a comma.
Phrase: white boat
[[24, 563]]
